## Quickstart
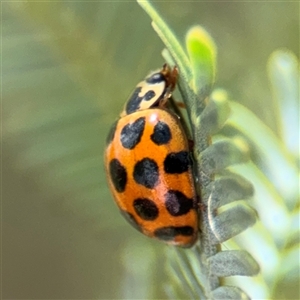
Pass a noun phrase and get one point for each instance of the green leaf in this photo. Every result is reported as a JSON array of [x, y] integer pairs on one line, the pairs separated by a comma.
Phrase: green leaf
[[202, 54], [274, 159], [283, 69], [169, 40], [230, 263]]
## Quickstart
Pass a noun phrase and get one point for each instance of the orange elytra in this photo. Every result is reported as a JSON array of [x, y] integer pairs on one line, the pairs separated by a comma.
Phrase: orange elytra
[[149, 165]]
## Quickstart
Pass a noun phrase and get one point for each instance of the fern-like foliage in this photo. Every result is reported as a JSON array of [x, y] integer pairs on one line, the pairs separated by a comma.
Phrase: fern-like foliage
[[239, 161], [67, 67]]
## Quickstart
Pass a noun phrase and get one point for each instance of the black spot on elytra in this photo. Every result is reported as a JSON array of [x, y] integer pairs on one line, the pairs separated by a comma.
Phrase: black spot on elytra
[[131, 134], [130, 219], [118, 175], [177, 163], [177, 203], [155, 78], [111, 133], [134, 101], [146, 173], [146, 209], [161, 133], [169, 233], [149, 95]]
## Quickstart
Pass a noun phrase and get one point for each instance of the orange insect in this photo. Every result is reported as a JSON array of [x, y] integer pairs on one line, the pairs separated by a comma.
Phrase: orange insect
[[148, 164]]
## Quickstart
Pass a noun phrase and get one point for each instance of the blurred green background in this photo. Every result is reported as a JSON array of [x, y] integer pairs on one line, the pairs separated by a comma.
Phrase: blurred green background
[[67, 68]]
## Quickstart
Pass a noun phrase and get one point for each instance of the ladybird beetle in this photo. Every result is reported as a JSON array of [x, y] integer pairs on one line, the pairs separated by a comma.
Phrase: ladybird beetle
[[148, 164]]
